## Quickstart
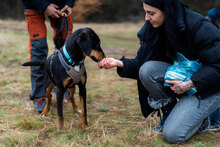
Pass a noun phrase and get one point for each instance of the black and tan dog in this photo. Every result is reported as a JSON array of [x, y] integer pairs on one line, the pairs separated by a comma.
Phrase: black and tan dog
[[65, 69]]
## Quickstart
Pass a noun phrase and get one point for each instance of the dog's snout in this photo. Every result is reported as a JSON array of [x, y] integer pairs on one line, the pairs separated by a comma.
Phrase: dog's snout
[[97, 55], [94, 59]]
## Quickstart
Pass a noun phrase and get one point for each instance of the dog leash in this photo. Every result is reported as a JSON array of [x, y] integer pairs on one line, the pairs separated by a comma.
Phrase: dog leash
[[64, 23]]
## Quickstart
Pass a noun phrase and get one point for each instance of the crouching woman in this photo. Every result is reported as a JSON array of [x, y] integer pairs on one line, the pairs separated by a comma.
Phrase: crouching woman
[[171, 27]]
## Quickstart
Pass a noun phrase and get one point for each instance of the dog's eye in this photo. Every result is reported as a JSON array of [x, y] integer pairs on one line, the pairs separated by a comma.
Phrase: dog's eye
[[97, 47]]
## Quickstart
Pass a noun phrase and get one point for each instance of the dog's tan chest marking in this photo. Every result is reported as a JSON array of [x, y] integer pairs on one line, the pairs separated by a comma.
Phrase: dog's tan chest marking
[[67, 82]]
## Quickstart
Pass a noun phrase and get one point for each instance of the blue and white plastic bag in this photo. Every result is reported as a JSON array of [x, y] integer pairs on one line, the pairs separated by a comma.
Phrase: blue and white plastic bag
[[182, 70]]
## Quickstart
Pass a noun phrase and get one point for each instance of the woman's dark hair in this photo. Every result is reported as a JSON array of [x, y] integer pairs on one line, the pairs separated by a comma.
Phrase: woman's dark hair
[[174, 21]]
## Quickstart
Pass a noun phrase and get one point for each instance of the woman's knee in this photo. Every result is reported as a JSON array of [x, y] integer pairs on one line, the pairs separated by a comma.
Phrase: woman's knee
[[171, 136], [176, 133], [145, 71]]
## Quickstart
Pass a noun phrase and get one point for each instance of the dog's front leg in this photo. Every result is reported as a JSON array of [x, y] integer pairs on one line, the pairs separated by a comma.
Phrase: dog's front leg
[[82, 95], [74, 105], [60, 94]]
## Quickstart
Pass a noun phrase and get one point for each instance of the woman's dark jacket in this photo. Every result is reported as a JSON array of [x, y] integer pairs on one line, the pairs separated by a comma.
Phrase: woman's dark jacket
[[41, 5], [199, 39]]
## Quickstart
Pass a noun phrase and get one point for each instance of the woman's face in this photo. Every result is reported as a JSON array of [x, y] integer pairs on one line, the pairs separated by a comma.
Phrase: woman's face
[[154, 15]]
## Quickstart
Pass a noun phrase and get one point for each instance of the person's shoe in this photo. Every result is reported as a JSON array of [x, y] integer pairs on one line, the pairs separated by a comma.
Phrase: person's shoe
[[214, 126], [39, 104], [205, 125], [158, 129]]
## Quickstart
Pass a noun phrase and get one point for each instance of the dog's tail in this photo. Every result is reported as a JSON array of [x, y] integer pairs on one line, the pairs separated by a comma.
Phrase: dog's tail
[[34, 63]]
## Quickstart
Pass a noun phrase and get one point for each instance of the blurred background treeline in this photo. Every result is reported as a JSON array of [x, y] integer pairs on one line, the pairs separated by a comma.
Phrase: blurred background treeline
[[103, 10]]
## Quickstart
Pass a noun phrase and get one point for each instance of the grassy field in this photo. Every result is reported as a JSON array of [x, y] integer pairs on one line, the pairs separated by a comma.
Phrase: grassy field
[[113, 108]]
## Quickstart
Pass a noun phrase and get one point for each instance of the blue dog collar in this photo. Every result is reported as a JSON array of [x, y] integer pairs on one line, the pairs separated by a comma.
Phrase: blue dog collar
[[68, 56]]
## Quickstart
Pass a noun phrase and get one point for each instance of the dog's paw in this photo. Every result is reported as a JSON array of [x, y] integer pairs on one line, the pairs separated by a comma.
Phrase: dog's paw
[[79, 111], [84, 126], [42, 115]]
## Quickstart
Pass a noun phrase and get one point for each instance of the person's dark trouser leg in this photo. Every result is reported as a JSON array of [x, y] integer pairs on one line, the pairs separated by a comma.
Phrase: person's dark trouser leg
[[38, 72], [38, 50]]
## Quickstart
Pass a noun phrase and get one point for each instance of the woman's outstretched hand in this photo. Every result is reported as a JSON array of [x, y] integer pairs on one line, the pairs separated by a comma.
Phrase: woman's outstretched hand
[[108, 63]]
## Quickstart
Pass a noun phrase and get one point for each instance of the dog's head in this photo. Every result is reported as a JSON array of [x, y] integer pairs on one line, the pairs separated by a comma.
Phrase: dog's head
[[89, 43]]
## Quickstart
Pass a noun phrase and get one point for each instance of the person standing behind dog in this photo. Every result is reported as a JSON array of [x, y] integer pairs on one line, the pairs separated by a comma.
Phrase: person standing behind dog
[[34, 12], [171, 28]]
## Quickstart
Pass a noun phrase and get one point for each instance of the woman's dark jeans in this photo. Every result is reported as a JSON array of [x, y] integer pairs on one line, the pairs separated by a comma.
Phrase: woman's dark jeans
[[187, 115]]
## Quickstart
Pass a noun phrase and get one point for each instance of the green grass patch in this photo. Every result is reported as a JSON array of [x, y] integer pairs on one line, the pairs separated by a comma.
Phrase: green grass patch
[[2, 112], [52, 129], [3, 83], [29, 124]]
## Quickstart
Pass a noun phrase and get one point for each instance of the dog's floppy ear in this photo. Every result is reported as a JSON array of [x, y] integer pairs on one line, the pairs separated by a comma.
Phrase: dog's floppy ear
[[85, 43]]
